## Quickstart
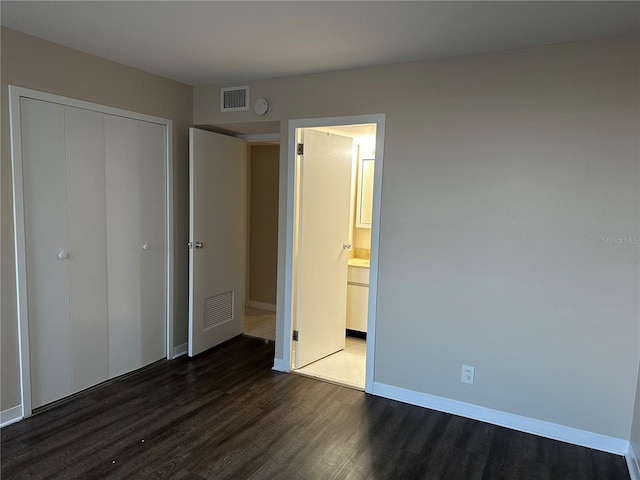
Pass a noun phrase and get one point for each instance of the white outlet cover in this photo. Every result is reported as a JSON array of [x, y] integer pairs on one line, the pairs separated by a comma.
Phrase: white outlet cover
[[468, 374]]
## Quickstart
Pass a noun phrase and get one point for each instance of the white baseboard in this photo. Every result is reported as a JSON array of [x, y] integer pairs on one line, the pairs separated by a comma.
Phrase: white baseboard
[[632, 463], [509, 420], [262, 306], [180, 350], [280, 365], [10, 415]]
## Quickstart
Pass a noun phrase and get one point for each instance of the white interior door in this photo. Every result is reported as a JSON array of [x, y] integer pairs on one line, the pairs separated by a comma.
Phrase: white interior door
[[123, 240], [46, 242], [324, 194], [86, 213], [153, 245], [217, 238]]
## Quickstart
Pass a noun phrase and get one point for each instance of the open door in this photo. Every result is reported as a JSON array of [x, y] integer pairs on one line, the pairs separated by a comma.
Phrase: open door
[[323, 235], [216, 238]]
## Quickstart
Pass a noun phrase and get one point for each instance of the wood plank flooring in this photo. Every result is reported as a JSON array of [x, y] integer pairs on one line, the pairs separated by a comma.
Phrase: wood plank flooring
[[226, 415]]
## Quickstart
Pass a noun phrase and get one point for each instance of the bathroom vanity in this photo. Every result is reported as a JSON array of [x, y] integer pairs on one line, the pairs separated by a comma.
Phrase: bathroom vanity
[[357, 294]]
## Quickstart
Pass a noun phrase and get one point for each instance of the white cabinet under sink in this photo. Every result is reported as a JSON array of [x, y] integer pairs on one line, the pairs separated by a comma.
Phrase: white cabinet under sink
[[357, 298]]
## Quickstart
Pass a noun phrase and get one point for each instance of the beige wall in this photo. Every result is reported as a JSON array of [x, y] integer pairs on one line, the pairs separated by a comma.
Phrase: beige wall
[[263, 223], [502, 174], [33, 63]]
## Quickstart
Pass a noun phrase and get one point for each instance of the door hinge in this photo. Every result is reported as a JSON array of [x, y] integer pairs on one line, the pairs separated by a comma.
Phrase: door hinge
[[301, 149], [295, 335]]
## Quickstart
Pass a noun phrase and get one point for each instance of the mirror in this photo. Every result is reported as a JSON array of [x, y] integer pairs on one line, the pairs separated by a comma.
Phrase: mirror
[[364, 207]]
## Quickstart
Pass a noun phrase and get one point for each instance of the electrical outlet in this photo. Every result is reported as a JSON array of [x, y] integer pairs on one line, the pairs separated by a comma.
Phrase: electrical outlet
[[467, 374]]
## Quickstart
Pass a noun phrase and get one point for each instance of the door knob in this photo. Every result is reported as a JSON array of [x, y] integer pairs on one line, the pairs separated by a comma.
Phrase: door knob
[[145, 246], [198, 245], [63, 254], [346, 245]]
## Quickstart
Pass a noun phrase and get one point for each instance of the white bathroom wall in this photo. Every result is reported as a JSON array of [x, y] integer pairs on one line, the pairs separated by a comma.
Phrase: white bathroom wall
[[362, 236]]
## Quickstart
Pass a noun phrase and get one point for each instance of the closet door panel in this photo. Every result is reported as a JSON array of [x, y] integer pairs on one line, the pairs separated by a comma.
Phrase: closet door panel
[[45, 205], [153, 243], [123, 243], [87, 242]]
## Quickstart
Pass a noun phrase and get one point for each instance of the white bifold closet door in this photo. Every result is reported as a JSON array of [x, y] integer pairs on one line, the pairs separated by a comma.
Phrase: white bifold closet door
[[135, 242], [94, 199]]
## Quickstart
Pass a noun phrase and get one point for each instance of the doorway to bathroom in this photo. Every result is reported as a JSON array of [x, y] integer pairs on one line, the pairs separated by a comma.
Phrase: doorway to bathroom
[[333, 250]]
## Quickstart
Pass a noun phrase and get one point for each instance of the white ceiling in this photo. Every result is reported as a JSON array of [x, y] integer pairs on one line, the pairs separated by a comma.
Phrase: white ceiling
[[202, 42]]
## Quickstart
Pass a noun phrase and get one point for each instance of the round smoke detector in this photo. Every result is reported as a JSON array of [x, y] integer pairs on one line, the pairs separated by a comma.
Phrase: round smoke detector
[[261, 106]]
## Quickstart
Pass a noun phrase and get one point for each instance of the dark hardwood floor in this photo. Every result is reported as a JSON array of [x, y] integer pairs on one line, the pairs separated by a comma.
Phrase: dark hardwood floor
[[226, 415]]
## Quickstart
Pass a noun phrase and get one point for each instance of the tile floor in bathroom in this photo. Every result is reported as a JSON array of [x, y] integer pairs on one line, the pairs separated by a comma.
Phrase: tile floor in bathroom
[[259, 323], [345, 367]]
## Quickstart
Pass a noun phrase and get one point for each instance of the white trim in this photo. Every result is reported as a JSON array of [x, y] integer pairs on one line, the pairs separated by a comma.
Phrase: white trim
[[15, 93], [261, 305], [286, 338], [279, 365], [298, 207], [96, 107], [19, 249], [374, 257], [534, 426], [632, 463], [10, 415], [180, 350], [191, 236], [170, 280], [260, 137]]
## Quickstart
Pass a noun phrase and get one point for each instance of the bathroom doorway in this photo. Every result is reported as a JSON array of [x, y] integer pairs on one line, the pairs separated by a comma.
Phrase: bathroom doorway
[[334, 223]]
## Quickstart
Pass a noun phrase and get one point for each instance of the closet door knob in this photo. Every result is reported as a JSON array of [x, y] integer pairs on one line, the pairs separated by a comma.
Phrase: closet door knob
[[145, 246], [63, 254]]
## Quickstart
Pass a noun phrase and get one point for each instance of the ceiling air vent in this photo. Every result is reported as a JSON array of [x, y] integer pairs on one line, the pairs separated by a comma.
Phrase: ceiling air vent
[[233, 99]]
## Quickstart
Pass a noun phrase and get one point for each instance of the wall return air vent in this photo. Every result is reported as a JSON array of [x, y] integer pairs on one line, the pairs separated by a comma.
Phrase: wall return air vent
[[217, 310], [234, 99]]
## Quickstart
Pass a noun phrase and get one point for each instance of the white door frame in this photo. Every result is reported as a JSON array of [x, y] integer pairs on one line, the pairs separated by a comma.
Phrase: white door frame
[[15, 93], [287, 331]]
